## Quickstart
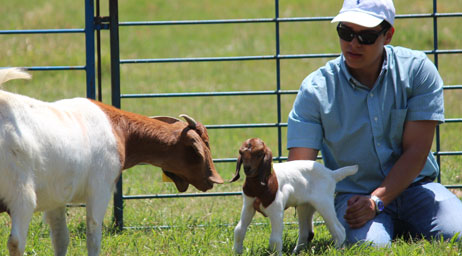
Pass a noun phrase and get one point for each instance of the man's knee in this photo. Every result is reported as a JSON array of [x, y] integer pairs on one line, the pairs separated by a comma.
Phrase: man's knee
[[376, 233], [439, 215]]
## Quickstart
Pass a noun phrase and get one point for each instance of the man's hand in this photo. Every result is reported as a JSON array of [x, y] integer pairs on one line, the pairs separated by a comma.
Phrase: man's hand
[[360, 210]]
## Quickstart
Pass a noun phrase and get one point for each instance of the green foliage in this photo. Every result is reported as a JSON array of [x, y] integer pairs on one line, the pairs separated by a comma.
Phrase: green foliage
[[204, 226]]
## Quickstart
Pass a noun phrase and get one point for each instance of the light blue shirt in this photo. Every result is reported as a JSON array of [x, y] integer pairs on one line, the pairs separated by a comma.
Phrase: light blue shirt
[[352, 124]]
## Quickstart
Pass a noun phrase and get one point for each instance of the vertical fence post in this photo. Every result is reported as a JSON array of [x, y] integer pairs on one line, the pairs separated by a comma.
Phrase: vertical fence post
[[115, 89], [435, 49], [98, 52], [278, 80], [90, 48]]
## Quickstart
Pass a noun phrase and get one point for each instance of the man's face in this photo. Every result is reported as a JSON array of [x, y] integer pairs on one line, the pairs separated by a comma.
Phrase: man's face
[[361, 56]]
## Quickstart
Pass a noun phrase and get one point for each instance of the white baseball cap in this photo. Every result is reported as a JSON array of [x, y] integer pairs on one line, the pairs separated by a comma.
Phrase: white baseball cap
[[366, 13]]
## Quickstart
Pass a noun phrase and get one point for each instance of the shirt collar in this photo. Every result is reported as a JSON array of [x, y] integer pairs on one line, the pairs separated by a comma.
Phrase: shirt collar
[[355, 83]]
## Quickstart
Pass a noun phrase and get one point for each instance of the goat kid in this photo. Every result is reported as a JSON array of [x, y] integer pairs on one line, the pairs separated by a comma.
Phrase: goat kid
[[74, 150], [271, 188]]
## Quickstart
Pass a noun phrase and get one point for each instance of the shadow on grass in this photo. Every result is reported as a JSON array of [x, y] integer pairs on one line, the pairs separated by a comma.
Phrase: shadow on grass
[[319, 246]]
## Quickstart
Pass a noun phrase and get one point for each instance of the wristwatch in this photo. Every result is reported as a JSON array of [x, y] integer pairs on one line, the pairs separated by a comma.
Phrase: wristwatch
[[379, 205]]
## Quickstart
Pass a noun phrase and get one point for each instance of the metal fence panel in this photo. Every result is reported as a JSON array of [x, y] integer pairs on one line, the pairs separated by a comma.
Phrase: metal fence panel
[[116, 95], [96, 24]]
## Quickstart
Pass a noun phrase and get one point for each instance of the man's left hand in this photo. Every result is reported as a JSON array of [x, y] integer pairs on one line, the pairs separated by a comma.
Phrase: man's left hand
[[360, 210]]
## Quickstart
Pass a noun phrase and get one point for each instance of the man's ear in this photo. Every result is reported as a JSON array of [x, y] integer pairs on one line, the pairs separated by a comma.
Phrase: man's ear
[[389, 35]]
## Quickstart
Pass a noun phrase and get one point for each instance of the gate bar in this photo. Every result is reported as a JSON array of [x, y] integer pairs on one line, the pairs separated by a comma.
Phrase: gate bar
[[115, 91], [90, 48]]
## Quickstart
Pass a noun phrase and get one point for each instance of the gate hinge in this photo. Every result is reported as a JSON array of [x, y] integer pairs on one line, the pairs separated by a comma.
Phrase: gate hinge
[[102, 22]]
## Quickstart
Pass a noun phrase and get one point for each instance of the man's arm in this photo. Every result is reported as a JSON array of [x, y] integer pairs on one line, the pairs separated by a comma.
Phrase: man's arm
[[302, 154], [417, 142]]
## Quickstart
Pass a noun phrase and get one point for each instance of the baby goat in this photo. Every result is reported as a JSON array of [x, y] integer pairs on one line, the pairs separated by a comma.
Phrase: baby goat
[[74, 150], [308, 185]]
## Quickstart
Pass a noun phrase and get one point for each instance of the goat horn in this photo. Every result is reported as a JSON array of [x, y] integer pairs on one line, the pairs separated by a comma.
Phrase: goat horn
[[191, 122], [166, 119]]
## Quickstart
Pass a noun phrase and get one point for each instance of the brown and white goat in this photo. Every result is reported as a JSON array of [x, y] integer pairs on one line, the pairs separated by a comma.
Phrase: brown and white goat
[[271, 188], [74, 150]]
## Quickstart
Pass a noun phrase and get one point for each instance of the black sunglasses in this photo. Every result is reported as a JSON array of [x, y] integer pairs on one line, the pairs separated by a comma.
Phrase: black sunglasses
[[364, 37]]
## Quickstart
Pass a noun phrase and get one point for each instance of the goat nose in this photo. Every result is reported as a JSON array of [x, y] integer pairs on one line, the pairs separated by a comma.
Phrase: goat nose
[[216, 178]]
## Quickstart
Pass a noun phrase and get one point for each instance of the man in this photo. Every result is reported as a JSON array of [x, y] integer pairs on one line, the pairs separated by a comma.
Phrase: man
[[377, 106]]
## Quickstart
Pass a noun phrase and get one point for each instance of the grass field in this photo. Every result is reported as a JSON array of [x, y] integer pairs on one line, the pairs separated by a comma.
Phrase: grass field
[[204, 226]]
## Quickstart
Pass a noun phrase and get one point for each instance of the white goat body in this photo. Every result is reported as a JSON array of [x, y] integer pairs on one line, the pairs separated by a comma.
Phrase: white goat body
[[52, 154], [74, 150], [271, 188], [54, 148]]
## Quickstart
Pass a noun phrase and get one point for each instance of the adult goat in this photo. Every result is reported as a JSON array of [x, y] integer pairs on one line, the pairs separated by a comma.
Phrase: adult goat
[[74, 150]]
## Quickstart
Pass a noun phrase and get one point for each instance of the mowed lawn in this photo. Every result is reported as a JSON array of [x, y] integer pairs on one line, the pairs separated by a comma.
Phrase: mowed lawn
[[204, 226]]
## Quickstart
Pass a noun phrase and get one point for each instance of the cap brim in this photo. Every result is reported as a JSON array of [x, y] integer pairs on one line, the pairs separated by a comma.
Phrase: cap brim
[[358, 18]]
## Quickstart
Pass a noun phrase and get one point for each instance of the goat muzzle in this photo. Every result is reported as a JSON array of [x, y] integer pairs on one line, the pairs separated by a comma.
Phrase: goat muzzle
[[216, 178]]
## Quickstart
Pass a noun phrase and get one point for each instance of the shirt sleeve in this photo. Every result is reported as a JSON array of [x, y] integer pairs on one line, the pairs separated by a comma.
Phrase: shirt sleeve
[[426, 102], [304, 125]]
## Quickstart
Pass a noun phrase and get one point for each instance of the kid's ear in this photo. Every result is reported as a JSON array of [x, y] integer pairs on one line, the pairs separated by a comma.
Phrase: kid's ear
[[238, 168], [267, 162]]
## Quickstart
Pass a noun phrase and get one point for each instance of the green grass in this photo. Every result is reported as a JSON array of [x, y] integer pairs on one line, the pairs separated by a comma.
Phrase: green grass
[[204, 226]]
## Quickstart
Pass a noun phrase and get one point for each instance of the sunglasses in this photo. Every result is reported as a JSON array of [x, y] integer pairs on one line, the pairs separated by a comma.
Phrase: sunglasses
[[364, 37]]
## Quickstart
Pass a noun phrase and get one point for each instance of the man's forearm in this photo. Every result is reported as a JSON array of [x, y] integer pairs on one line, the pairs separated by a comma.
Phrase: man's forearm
[[417, 141], [403, 173]]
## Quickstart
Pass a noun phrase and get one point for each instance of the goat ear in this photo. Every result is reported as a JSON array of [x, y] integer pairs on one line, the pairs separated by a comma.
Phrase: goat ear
[[238, 168], [180, 184], [266, 166]]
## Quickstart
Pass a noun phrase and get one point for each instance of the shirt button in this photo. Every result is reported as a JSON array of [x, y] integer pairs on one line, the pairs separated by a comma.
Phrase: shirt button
[[376, 119], [372, 95], [378, 144]]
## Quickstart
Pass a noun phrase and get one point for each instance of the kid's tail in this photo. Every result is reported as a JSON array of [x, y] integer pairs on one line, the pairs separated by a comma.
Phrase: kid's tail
[[343, 172], [7, 74]]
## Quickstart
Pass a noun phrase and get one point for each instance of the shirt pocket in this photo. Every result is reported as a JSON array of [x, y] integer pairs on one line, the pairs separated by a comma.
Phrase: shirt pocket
[[398, 118]]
